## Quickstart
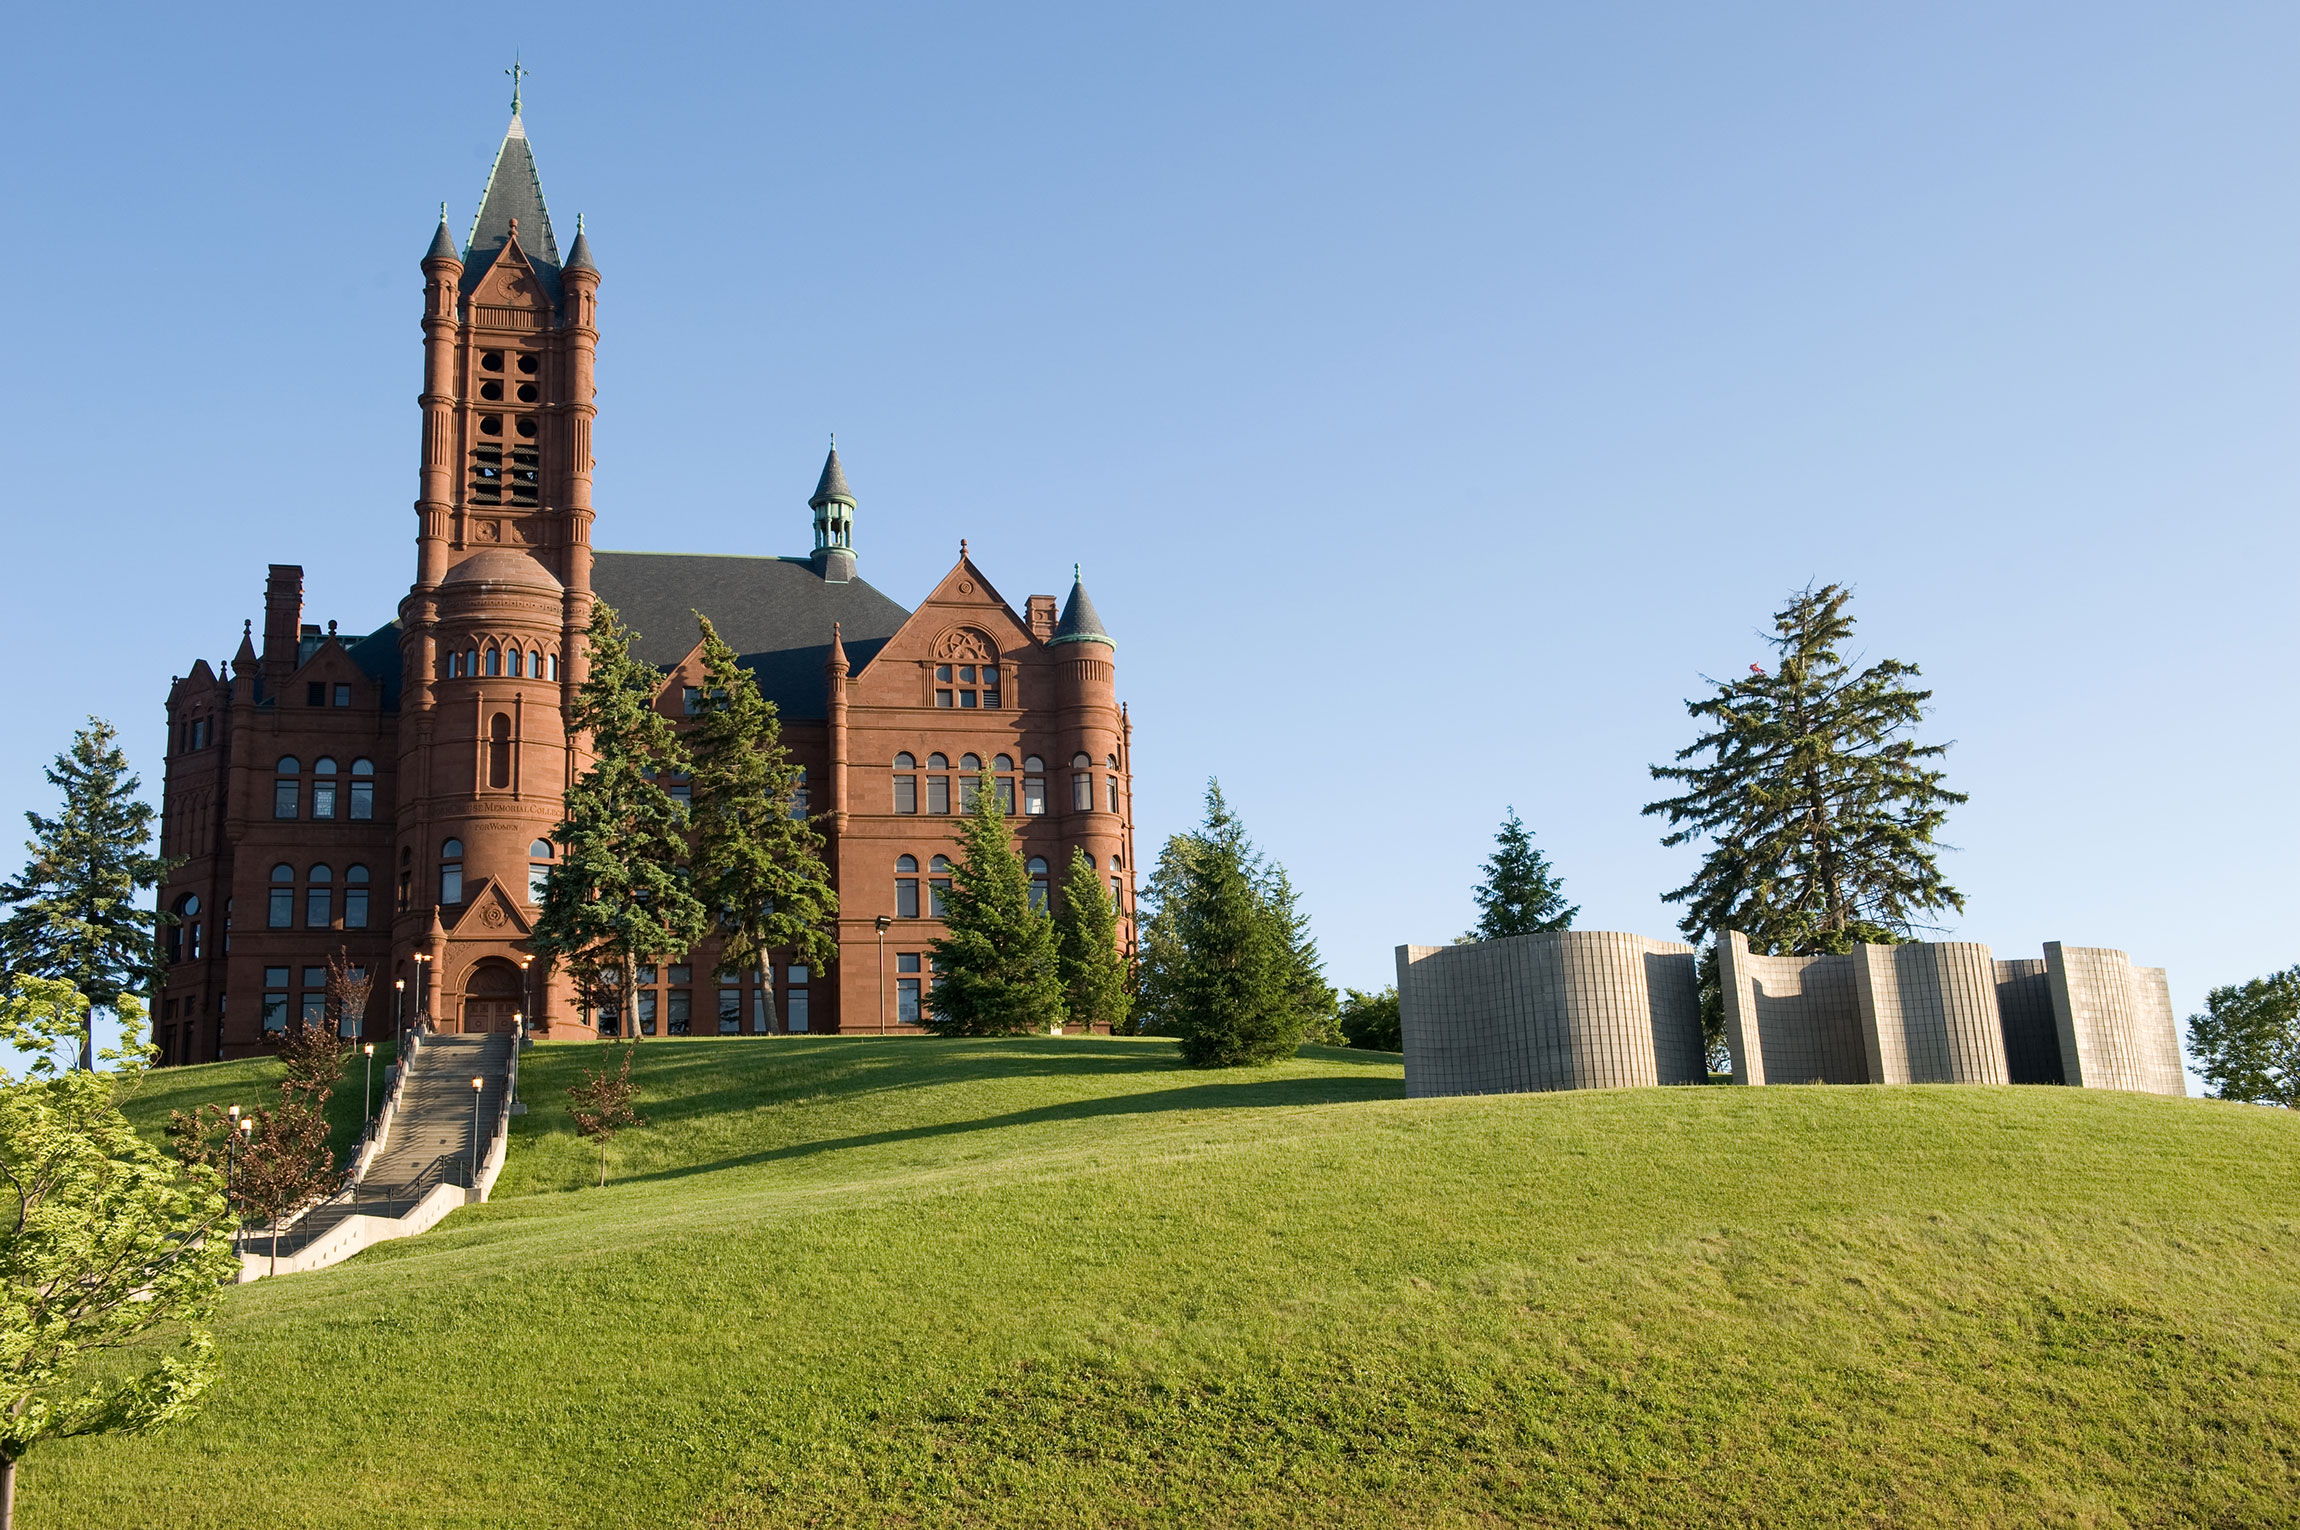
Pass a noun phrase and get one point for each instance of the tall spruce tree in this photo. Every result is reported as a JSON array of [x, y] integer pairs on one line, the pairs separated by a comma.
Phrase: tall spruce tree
[[1520, 895], [996, 973], [758, 863], [1227, 964], [1086, 948], [622, 892], [1820, 807], [75, 918]]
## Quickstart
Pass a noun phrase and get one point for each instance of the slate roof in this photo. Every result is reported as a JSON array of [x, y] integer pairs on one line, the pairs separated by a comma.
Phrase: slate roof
[[833, 483], [1080, 623], [377, 656], [579, 253], [514, 190], [442, 242], [775, 612]]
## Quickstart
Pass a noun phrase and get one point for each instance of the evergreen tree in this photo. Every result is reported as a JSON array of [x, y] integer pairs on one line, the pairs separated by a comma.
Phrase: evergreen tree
[[1158, 935], [1820, 807], [75, 918], [1227, 963], [1520, 895], [621, 893], [1313, 996], [1086, 948], [758, 857], [996, 973], [2247, 1041]]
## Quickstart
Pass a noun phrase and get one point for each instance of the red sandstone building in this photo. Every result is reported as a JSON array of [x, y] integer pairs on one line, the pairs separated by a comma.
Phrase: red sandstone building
[[391, 796]]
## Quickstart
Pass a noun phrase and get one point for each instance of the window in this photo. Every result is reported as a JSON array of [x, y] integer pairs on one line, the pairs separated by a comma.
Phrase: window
[[730, 1011], [282, 912], [499, 750], [518, 663], [406, 876], [494, 660], [938, 793], [1113, 794], [184, 934], [679, 1005], [362, 790], [455, 666], [799, 794], [535, 662], [990, 685], [451, 872], [647, 1007], [1033, 785], [1081, 761], [538, 870], [286, 790], [554, 666], [937, 886], [795, 998], [907, 1008], [905, 784], [1117, 863], [1114, 762], [318, 899], [227, 930], [906, 887], [471, 662], [970, 763], [1037, 871], [355, 898], [275, 998], [343, 695], [313, 1011], [1082, 792], [315, 693], [969, 788], [1118, 894], [942, 698], [323, 787], [691, 699], [348, 1023]]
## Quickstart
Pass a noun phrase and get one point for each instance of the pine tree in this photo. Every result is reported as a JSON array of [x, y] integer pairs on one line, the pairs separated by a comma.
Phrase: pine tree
[[1305, 969], [1086, 947], [75, 918], [621, 892], [1520, 895], [758, 858], [1819, 806], [996, 973], [1227, 963]]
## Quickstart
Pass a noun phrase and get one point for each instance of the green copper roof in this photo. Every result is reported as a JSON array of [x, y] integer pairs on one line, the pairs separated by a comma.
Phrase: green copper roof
[[1080, 623]]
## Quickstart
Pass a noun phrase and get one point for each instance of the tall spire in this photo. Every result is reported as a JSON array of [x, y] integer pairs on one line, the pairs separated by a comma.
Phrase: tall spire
[[514, 194], [834, 507]]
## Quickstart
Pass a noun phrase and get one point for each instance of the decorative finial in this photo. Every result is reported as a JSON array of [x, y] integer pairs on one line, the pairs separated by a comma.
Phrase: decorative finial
[[578, 223], [331, 629], [443, 212], [247, 625], [514, 228], [1075, 576], [834, 440], [518, 72], [834, 629], [962, 547]]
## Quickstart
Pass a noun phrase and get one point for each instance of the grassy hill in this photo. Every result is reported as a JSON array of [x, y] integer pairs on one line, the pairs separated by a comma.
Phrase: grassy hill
[[1065, 1282]]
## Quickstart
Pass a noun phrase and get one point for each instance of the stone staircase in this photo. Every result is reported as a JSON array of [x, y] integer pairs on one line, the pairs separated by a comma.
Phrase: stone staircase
[[429, 1143]]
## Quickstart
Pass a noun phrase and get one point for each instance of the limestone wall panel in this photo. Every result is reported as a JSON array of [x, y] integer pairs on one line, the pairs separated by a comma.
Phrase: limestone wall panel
[[1928, 1013]]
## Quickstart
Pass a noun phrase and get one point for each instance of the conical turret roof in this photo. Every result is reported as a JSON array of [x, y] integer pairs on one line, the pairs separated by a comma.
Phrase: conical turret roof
[[514, 194], [579, 253], [1080, 622], [833, 484], [442, 242]]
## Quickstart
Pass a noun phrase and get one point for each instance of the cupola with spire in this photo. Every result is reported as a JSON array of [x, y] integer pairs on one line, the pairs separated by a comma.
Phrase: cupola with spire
[[834, 507]]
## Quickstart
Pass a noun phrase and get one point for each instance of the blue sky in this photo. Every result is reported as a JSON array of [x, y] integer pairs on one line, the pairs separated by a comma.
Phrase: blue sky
[[1432, 394]]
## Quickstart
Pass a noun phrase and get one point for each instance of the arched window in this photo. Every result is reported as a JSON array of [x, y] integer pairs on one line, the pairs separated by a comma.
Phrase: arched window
[[1082, 785], [287, 792], [281, 914], [538, 870], [1117, 863], [1082, 761], [355, 897], [494, 660], [937, 886], [906, 887], [1114, 762], [451, 872], [1033, 785], [799, 794], [554, 666], [453, 666], [1003, 764], [905, 784], [969, 781], [406, 876], [518, 663], [362, 789], [323, 787], [970, 763], [324, 765], [499, 749], [471, 662], [1113, 780], [318, 898], [937, 787], [184, 934], [1037, 870]]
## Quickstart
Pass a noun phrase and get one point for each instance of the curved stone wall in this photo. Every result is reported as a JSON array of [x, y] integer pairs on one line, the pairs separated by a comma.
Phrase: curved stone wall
[[2115, 1021], [1571, 1009], [1930, 1013]]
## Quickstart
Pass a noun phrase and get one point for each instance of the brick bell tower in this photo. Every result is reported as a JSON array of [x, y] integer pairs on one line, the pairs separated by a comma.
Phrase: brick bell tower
[[491, 633]]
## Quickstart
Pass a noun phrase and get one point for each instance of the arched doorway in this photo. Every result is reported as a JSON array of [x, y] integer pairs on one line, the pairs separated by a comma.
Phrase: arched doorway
[[491, 996]]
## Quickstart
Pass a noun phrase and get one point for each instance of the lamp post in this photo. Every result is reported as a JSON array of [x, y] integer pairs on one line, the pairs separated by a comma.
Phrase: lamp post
[[398, 1013], [243, 1127], [476, 1085], [884, 924], [518, 1034], [422, 987], [367, 1094]]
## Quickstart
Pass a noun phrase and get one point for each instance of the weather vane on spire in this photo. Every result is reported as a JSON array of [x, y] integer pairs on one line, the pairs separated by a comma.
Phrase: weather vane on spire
[[518, 72]]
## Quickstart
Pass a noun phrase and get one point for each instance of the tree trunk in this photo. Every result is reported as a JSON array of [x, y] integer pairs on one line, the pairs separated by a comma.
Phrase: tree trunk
[[7, 1492]]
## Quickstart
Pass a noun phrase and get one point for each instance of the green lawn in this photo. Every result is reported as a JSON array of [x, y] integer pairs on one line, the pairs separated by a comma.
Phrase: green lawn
[[1065, 1282]]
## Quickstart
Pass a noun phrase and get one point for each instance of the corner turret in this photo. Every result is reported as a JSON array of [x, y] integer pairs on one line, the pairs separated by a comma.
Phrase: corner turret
[[834, 507]]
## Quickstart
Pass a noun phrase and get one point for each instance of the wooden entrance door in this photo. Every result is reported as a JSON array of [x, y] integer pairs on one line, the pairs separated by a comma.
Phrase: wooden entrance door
[[488, 1014]]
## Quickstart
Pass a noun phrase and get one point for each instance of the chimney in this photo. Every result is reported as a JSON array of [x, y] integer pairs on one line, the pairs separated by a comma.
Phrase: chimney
[[1041, 617], [283, 615]]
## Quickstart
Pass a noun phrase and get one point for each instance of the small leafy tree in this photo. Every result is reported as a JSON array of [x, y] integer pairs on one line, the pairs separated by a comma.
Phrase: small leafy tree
[[996, 969], [1370, 1020], [2247, 1041], [621, 894], [604, 1105], [348, 988], [1086, 947], [1225, 956], [75, 918], [104, 1243], [286, 1163], [1520, 895], [313, 1056], [758, 857]]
